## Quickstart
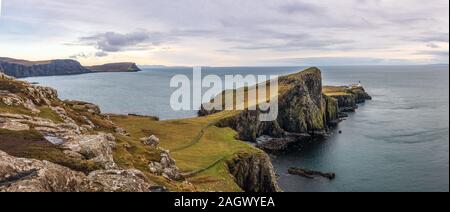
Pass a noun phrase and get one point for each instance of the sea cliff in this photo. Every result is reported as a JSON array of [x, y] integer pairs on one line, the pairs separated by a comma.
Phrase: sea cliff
[[306, 110], [43, 138], [24, 68]]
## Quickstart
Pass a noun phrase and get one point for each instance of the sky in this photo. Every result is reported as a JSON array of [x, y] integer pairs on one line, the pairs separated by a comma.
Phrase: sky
[[227, 32]]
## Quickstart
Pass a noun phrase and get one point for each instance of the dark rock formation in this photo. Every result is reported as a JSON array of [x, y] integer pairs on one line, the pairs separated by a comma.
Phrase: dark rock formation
[[253, 172], [310, 174], [22, 68], [115, 67]]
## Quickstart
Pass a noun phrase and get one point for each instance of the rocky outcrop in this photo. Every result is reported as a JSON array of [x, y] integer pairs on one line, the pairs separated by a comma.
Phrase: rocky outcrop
[[29, 175], [115, 67], [97, 148], [306, 111], [310, 174], [253, 172], [151, 141], [166, 167], [36, 126], [302, 109], [22, 68], [348, 97]]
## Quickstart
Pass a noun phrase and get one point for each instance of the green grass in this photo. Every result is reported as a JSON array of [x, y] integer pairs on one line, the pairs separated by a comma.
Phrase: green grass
[[332, 91], [198, 146], [13, 109], [48, 113]]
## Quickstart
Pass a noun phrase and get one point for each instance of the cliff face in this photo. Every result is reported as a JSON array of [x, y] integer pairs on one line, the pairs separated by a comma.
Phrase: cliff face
[[306, 109], [302, 109], [21, 68], [348, 97], [115, 67], [253, 172]]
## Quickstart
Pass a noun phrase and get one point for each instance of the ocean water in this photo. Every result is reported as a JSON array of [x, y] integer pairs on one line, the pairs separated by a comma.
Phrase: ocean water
[[399, 141]]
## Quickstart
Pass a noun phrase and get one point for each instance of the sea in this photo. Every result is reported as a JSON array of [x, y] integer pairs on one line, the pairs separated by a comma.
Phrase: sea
[[397, 142]]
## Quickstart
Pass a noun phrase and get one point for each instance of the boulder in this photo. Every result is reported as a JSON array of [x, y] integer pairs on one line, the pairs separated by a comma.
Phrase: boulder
[[98, 148], [118, 181], [151, 141], [28, 175], [166, 167]]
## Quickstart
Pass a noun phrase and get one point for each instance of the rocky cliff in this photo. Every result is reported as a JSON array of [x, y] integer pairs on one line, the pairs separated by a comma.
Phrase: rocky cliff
[[305, 111], [50, 145], [253, 172], [115, 67], [23, 68], [302, 109]]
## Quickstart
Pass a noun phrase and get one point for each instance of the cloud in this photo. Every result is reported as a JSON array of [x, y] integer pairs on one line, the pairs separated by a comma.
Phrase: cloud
[[115, 42], [439, 54], [301, 8], [338, 61], [101, 54], [229, 32], [431, 37], [79, 55], [432, 45]]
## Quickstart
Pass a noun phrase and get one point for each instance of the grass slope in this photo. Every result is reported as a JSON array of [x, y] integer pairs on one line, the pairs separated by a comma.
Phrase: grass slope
[[200, 148]]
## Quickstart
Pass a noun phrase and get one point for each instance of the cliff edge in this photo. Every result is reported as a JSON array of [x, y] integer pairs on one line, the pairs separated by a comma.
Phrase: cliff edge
[[24, 68]]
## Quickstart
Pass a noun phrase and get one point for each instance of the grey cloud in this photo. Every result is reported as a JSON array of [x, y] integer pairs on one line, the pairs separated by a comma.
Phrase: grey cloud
[[301, 8], [80, 55], [101, 54], [432, 45], [441, 54], [432, 37], [292, 42], [338, 61], [115, 42]]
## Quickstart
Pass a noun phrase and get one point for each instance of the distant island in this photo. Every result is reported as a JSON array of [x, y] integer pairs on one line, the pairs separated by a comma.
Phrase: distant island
[[115, 67], [23, 68]]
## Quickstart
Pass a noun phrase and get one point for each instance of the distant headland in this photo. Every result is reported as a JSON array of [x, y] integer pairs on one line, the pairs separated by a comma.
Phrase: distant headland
[[23, 68]]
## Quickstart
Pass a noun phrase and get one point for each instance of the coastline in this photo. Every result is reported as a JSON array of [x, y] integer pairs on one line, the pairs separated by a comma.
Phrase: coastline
[[124, 129]]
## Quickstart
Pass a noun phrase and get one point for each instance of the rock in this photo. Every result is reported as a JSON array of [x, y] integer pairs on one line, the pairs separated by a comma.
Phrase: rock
[[28, 175], [281, 145], [310, 174], [158, 189], [74, 155], [4, 76], [118, 181], [13, 126], [253, 172], [151, 141], [98, 148], [166, 167]]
